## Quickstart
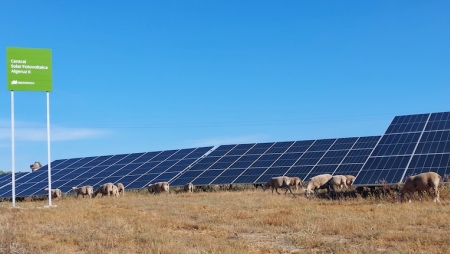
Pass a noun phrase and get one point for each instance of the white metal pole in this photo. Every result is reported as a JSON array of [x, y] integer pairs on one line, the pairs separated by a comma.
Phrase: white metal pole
[[13, 166], [48, 152]]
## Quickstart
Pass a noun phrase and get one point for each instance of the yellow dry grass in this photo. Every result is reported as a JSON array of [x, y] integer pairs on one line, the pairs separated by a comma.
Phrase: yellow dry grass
[[225, 222]]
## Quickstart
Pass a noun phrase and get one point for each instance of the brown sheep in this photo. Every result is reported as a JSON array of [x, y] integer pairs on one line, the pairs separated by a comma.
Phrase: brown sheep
[[105, 189], [121, 188], [316, 183], [35, 166], [158, 187], [279, 182], [189, 187], [84, 191], [56, 193], [419, 183]]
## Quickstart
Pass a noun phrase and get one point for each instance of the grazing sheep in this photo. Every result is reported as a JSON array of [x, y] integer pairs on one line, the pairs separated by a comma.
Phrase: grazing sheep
[[189, 187], [56, 193], [279, 182], [84, 191], [159, 187], [105, 189], [337, 182], [350, 179], [316, 183], [121, 188], [296, 181], [115, 191], [35, 166], [419, 183]]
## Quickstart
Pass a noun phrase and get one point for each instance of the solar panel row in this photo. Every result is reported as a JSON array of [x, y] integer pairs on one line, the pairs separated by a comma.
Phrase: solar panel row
[[256, 163], [412, 144], [133, 170]]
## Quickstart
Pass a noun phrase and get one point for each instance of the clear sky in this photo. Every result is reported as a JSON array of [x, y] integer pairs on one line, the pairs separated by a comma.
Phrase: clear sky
[[160, 75]]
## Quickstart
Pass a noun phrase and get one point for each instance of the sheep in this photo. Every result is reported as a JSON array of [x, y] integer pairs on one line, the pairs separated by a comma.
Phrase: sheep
[[121, 188], [279, 182], [316, 183], [337, 182], [115, 191], [421, 182], [296, 181], [158, 187], [189, 187], [35, 166], [350, 179], [105, 189], [56, 193], [84, 191]]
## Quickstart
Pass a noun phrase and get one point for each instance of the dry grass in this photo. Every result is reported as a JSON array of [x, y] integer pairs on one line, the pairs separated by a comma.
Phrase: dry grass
[[226, 222]]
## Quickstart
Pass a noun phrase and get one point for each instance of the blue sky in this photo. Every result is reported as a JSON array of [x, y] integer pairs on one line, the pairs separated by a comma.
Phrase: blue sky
[[162, 75]]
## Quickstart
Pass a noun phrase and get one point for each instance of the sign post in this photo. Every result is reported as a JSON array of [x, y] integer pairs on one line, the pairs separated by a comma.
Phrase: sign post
[[29, 69]]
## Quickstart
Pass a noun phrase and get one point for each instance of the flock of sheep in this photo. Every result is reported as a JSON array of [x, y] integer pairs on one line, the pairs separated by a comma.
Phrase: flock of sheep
[[422, 182], [107, 189], [324, 181]]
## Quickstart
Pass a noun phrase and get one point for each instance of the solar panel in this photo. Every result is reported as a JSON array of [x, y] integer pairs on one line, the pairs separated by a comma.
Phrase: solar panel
[[133, 170], [412, 144], [345, 157], [257, 162]]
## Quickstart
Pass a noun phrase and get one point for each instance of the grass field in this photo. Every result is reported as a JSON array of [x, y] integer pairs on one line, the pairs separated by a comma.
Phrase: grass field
[[248, 221]]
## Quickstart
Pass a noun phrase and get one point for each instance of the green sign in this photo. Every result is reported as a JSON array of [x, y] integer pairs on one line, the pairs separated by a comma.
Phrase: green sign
[[29, 69]]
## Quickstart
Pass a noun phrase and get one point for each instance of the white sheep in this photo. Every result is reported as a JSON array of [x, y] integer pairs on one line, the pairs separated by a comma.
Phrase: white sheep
[[121, 188], [279, 182], [105, 189], [158, 187], [56, 193], [337, 182], [189, 187], [84, 191], [350, 179], [419, 183], [316, 183], [115, 191]]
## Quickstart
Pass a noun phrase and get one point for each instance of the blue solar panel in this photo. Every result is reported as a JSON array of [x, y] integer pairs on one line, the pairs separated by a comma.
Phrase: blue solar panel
[[408, 123], [123, 159], [300, 146], [64, 164], [411, 145], [138, 170], [321, 145], [262, 161]]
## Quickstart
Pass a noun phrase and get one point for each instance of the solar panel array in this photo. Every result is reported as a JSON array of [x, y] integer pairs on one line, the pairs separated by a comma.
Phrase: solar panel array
[[256, 163], [412, 144], [134, 170]]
